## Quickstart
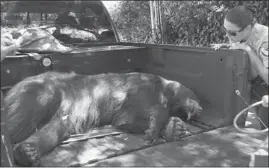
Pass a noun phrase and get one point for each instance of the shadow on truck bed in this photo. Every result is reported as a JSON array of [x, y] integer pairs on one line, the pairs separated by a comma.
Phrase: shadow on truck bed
[[220, 147]]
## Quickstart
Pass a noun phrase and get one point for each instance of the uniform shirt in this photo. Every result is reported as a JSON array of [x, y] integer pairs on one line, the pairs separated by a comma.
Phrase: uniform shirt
[[258, 41]]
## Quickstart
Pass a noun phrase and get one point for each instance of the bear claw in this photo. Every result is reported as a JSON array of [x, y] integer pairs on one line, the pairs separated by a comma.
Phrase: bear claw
[[174, 130], [26, 155]]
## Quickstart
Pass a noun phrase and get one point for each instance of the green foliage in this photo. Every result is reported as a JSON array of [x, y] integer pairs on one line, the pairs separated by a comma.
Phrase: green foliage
[[195, 23], [132, 20]]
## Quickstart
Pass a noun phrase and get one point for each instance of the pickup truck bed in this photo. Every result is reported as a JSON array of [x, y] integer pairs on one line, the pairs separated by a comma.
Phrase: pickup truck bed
[[214, 148], [220, 147], [225, 147], [212, 75]]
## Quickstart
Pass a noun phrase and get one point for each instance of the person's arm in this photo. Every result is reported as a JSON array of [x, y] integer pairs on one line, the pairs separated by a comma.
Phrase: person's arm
[[9, 45], [5, 50], [257, 63], [222, 45]]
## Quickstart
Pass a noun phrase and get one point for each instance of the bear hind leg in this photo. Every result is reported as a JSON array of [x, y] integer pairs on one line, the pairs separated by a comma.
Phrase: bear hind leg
[[159, 116], [29, 151]]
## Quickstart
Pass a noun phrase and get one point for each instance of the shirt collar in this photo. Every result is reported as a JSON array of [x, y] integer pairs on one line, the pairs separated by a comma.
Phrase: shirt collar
[[252, 37]]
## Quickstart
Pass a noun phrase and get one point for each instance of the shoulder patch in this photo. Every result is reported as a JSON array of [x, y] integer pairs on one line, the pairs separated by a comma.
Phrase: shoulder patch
[[264, 49]]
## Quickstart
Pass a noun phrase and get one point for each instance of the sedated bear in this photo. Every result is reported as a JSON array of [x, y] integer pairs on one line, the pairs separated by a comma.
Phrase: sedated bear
[[46, 109]]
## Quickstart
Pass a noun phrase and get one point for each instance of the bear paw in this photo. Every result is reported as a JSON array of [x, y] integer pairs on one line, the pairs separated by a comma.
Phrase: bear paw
[[174, 129], [26, 154]]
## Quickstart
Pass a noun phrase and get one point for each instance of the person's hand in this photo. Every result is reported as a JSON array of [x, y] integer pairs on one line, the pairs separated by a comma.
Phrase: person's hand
[[239, 46], [6, 40], [265, 101], [218, 46], [7, 45]]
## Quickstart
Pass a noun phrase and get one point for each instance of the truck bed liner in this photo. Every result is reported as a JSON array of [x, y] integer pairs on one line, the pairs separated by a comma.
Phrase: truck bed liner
[[96, 149], [107, 150], [221, 147]]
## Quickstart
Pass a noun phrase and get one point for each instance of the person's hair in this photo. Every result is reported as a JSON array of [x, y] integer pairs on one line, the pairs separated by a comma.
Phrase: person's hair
[[241, 16]]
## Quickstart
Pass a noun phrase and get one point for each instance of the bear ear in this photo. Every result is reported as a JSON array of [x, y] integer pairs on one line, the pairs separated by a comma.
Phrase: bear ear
[[169, 90], [174, 87]]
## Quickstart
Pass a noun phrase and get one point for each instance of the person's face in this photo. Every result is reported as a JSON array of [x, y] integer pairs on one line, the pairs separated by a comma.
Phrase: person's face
[[235, 33]]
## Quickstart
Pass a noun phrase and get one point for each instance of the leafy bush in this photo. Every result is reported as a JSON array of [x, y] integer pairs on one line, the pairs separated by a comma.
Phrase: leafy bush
[[132, 20], [195, 23]]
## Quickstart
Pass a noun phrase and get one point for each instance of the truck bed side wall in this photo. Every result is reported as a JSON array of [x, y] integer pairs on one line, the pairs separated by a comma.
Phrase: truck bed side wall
[[213, 75]]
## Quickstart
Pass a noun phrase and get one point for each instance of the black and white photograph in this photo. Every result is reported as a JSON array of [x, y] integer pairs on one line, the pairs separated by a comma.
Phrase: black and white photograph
[[152, 83]]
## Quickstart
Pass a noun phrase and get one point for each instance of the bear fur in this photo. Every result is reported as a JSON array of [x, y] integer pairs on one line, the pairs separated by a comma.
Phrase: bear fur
[[46, 109]]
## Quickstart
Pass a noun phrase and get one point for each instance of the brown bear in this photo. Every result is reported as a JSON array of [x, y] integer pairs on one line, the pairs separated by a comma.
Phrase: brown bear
[[46, 109]]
